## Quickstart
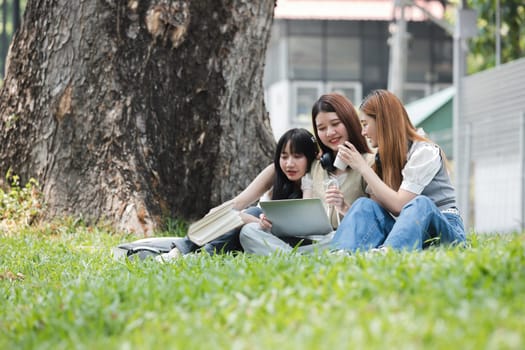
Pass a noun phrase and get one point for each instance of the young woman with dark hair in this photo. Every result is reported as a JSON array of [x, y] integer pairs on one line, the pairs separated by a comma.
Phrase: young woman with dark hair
[[295, 152], [296, 145]]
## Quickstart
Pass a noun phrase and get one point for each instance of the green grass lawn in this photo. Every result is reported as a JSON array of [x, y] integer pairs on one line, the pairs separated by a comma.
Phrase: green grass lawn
[[61, 289]]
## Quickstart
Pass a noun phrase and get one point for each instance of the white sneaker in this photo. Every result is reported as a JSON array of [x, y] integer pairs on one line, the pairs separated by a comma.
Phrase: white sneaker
[[173, 255], [381, 250], [340, 252]]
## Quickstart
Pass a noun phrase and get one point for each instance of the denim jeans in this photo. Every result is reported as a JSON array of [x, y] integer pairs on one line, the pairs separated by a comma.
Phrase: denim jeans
[[367, 225], [223, 244]]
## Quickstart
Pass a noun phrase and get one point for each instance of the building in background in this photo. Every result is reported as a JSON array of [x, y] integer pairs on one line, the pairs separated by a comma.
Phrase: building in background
[[322, 46]]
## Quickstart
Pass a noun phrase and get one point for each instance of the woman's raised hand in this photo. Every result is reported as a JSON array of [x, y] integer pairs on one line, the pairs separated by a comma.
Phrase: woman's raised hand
[[351, 156], [335, 198]]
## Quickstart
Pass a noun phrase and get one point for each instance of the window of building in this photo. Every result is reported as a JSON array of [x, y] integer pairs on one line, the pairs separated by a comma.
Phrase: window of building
[[352, 90], [343, 58], [418, 60], [324, 50], [442, 52], [305, 53], [304, 94]]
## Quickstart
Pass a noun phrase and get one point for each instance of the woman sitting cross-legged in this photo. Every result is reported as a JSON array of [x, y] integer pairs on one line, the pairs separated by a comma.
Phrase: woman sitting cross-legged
[[412, 202], [295, 152]]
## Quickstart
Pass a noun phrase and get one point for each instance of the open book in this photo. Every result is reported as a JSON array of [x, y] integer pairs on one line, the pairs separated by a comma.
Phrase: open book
[[217, 222]]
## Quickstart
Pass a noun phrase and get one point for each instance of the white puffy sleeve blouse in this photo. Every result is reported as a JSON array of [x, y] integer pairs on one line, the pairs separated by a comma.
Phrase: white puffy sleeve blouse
[[423, 163]]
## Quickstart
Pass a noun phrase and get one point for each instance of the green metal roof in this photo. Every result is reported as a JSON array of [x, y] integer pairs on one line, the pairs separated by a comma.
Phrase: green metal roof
[[422, 109], [434, 115]]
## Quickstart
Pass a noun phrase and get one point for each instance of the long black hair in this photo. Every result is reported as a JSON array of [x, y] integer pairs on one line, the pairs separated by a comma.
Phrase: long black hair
[[301, 142]]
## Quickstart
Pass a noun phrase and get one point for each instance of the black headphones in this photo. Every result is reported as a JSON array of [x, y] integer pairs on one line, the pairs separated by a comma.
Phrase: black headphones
[[327, 161]]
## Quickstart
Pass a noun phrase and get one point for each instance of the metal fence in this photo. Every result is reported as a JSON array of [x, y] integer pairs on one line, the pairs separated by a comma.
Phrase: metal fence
[[492, 149]]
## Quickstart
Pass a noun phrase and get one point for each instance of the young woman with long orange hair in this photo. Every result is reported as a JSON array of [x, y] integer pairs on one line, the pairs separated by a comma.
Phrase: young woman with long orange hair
[[412, 202]]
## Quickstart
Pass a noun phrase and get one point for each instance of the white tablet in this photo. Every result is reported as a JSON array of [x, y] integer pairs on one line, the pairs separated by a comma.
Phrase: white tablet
[[297, 217]]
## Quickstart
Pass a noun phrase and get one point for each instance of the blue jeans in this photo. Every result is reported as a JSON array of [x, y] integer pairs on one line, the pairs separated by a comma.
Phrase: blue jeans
[[226, 243], [420, 224]]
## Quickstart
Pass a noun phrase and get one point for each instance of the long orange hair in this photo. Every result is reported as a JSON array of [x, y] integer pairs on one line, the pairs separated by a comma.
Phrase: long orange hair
[[394, 133]]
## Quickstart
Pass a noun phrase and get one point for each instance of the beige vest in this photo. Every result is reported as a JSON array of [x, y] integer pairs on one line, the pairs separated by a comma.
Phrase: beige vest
[[352, 187]]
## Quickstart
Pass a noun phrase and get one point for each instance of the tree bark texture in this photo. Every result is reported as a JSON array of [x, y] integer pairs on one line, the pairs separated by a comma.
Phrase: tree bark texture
[[134, 111]]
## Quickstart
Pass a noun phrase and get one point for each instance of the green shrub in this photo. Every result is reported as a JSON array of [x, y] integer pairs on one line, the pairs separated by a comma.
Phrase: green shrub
[[20, 205]]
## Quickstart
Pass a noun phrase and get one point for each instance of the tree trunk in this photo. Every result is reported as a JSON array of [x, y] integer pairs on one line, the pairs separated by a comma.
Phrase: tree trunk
[[134, 111]]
